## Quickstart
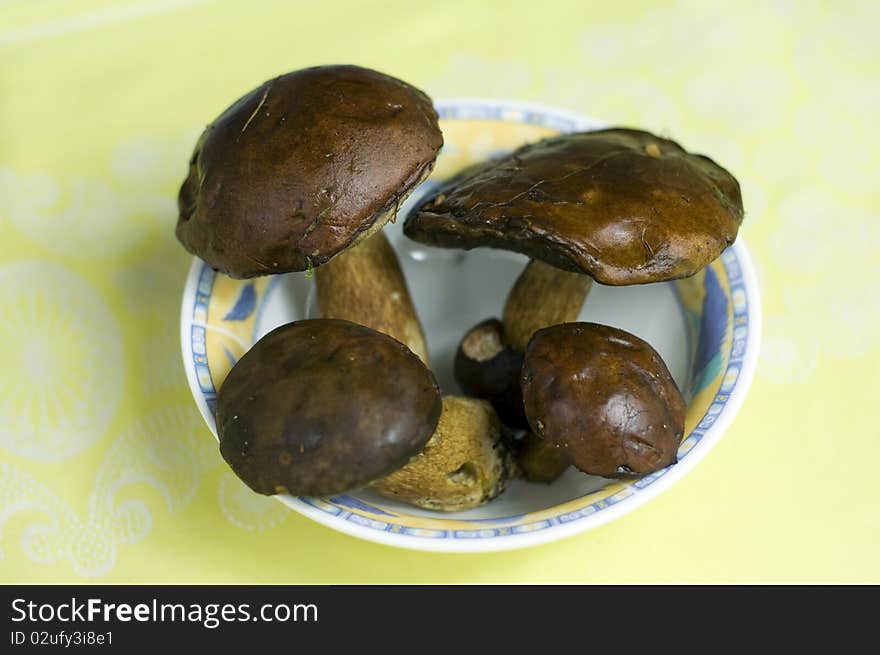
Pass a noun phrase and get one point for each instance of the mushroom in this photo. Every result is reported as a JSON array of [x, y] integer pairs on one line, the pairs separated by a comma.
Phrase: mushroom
[[539, 460], [618, 206], [302, 173], [486, 367], [464, 464], [301, 411], [366, 285], [604, 398]]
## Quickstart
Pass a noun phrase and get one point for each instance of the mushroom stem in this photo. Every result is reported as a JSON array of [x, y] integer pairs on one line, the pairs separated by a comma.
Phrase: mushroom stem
[[465, 463], [365, 284], [486, 367], [541, 461], [542, 296]]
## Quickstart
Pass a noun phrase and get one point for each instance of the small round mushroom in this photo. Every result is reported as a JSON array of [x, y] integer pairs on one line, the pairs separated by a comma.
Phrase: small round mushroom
[[301, 411], [302, 173], [620, 206], [604, 397], [485, 367], [464, 464]]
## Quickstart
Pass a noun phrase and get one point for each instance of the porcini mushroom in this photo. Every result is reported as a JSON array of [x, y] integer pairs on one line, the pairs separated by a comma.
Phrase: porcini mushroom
[[622, 206], [604, 398], [302, 173], [618, 206], [464, 464], [486, 367], [301, 411]]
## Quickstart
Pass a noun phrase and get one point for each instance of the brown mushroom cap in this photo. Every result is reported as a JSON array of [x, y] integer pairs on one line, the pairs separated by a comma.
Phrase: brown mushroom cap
[[623, 206], [300, 167], [322, 406], [603, 396]]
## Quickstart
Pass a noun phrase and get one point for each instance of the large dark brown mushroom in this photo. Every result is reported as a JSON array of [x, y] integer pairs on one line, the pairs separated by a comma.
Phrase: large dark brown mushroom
[[301, 170], [623, 206], [604, 398], [319, 407], [619, 206]]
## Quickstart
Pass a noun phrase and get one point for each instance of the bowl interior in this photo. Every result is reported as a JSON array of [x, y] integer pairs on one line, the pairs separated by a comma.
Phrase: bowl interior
[[698, 325]]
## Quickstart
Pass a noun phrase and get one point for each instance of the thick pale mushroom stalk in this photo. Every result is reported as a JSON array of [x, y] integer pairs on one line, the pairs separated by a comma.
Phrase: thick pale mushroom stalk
[[541, 461], [490, 354], [542, 296], [465, 463], [365, 285]]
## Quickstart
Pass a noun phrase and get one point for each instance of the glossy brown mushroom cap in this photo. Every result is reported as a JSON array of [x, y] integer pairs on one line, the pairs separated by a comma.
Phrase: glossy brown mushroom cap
[[604, 397], [319, 407], [623, 206], [298, 168]]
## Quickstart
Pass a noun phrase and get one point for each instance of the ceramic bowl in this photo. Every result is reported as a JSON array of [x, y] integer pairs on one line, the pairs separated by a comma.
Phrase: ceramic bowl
[[706, 328]]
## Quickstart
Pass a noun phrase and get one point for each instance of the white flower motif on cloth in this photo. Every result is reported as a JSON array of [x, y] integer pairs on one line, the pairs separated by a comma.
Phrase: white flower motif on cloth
[[817, 233], [785, 358], [160, 357], [148, 162], [90, 219], [749, 101], [20, 493], [99, 218], [850, 308], [167, 451], [817, 242], [149, 289], [151, 292], [61, 380], [248, 510], [839, 42], [836, 122], [831, 130], [625, 47], [26, 195]]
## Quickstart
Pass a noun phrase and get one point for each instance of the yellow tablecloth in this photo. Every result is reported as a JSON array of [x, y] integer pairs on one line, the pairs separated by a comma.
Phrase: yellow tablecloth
[[107, 472]]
